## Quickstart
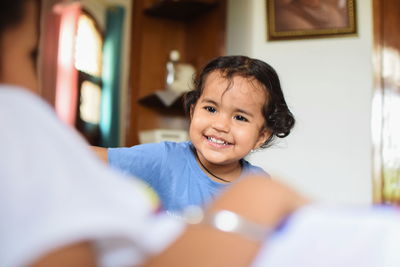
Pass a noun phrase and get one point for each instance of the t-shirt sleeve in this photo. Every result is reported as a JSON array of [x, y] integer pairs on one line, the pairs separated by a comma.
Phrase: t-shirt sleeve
[[143, 161], [55, 192], [250, 169]]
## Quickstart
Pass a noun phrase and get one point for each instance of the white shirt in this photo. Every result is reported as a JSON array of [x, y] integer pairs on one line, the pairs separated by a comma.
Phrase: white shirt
[[54, 191], [335, 236]]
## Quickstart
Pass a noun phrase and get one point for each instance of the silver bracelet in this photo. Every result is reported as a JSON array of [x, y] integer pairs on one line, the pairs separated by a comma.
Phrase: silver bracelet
[[227, 221]]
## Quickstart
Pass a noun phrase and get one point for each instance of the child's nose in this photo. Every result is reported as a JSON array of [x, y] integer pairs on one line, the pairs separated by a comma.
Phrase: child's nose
[[221, 123]]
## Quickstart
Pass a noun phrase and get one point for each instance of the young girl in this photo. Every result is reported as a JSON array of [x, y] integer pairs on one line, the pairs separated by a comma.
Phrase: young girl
[[237, 106]]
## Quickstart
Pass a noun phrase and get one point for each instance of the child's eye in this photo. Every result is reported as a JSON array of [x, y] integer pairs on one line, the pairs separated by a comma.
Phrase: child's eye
[[240, 118], [210, 109]]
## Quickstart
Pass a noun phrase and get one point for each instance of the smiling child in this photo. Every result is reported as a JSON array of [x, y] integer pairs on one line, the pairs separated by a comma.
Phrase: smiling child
[[237, 106]]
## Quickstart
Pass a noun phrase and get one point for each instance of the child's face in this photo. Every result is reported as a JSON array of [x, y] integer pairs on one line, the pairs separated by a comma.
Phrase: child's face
[[226, 124], [17, 45]]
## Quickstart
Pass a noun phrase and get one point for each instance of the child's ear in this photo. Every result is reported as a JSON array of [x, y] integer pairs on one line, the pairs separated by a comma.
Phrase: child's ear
[[263, 137]]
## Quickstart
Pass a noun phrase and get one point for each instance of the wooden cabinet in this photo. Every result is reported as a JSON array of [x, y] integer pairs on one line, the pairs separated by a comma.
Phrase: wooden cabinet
[[195, 28]]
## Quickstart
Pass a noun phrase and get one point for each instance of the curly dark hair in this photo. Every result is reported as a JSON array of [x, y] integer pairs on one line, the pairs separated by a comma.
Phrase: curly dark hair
[[278, 118]]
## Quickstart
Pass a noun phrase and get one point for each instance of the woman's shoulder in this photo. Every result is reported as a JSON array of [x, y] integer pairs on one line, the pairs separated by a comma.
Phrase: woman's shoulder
[[21, 102]]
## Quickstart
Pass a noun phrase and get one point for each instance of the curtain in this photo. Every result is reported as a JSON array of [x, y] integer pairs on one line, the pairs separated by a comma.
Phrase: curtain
[[67, 76], [110, 101]]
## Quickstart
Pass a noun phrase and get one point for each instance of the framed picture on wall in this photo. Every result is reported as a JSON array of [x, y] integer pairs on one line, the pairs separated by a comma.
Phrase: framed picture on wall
[[302, 19]]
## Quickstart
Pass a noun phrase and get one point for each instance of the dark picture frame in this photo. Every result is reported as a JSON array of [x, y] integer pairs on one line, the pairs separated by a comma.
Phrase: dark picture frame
[[296, 19]]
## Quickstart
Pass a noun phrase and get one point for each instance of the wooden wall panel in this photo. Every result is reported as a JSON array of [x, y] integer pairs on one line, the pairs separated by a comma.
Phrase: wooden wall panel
[[386, 102], [198, 40]]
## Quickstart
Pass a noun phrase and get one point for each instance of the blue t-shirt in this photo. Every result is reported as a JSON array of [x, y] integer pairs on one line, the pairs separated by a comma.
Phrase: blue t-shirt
[[172, 171]]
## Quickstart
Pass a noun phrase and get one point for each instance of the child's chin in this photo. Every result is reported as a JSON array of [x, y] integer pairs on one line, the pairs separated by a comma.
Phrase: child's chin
[[218, 160]]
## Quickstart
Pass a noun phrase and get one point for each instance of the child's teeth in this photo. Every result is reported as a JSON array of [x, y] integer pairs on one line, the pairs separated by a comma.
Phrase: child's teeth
[[212, 139]]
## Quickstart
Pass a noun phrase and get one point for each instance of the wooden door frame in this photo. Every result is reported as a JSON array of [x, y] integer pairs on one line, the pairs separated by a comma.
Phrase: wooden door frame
[[386, 50], [376, 114]]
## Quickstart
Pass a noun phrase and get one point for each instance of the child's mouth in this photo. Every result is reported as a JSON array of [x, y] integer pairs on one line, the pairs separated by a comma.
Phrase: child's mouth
[[217, 141]]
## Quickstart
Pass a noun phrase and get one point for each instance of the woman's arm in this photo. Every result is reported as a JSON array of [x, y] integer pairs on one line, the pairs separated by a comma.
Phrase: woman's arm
[[259, 200], [81, 254], [256, 199]]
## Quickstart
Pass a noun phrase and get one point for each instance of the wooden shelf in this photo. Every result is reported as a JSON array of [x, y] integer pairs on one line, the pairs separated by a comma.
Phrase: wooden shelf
[[179, 10], [181, 25], [164, 101]]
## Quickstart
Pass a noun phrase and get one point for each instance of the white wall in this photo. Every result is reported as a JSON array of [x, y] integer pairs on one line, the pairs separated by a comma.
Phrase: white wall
[[328, 86]]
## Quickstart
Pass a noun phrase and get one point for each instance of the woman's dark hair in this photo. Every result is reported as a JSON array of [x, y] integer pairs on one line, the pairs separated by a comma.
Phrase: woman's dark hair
[[278, 118], [11, 13]]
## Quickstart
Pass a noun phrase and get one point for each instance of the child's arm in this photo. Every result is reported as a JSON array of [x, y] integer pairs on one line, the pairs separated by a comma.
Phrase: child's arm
[[101, 152]]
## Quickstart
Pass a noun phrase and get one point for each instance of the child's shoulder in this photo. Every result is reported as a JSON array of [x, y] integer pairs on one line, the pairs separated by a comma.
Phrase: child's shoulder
[[177, 146], [168, 147], [249, 168]]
